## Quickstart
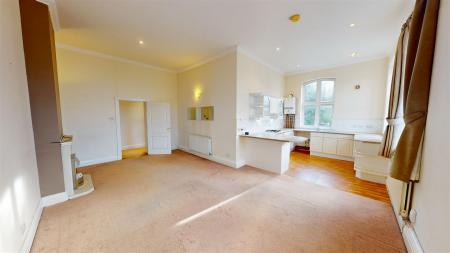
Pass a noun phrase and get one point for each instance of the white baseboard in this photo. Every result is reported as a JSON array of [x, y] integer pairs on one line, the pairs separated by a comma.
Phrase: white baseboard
[[240, 163], [54, 199], [338, 157], [217, 159], [31, 232], [410, 237], [32, 229], [140, 145], [84, 163]]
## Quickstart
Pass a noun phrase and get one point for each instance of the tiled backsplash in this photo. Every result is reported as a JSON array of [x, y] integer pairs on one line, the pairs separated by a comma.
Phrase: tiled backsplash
[[357, 126], [260, 125]]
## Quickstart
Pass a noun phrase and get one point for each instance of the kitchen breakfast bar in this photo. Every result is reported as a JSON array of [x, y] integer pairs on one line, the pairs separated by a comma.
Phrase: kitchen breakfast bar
[[268, 152]]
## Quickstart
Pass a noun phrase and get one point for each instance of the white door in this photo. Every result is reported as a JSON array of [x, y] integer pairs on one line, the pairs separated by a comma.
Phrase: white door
[[158, 128]]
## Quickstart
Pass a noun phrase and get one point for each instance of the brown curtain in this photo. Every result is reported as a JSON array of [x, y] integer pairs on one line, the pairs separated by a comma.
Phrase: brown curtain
[[395, 110], [418, 67]]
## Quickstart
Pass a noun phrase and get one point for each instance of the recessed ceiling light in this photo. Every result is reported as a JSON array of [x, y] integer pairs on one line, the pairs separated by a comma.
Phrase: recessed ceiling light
[[141, 42], [294, 18], [352, 25], [278, 49], [354, 54]]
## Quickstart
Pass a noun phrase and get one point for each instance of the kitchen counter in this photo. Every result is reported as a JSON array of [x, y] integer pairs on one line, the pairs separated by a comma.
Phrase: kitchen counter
[[333, 131], [329, 131], [375, 138], [272, 137], [269, 152]]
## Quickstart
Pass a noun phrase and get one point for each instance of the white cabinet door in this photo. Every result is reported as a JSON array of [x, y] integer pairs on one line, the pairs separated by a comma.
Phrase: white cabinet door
[[329, 146], [316, 144], [345, 147]]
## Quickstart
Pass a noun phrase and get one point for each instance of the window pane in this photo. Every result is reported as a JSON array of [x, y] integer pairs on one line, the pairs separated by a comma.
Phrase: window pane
[[309, 92], [326, 115], [327, 91], [309, 115]]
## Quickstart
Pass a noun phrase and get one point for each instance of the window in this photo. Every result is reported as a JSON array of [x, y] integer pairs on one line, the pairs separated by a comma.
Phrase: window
[[317, 103]]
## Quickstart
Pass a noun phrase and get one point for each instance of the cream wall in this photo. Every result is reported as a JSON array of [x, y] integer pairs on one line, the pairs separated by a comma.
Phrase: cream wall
[[88, 86], [355, 110], [254, 76], [19, 184], [133, 124], [215, 85], [432, 195]]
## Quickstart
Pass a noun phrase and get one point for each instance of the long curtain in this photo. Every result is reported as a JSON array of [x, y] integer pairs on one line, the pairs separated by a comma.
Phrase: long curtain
[[395, 110], [418, 68]]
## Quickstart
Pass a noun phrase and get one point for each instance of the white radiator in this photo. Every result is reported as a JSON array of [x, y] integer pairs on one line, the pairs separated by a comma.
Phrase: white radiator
[[201, 144]]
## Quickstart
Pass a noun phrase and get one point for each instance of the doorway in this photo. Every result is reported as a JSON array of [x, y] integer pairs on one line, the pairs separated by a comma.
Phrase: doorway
[[133, 128], [153, 117]]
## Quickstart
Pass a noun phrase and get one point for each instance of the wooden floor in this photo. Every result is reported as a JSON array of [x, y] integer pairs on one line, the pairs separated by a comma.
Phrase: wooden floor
[[133, 153], [334, 174]]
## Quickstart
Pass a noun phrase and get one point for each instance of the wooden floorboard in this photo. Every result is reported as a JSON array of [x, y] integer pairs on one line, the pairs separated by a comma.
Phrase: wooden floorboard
[[334, 173], [133, 153]]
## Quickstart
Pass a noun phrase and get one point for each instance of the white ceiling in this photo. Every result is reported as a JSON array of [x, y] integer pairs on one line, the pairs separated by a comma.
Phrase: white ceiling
[[180, 33]]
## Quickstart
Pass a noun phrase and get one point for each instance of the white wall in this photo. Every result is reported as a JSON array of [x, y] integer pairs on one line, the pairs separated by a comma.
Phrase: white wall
[[133, 124], [355, 110], [215, 85], [19, 184], [88, 85], [254, 76], [432, 193]]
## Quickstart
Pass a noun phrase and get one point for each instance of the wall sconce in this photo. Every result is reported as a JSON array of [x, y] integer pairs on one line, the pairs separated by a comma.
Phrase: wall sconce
[[197, 94]]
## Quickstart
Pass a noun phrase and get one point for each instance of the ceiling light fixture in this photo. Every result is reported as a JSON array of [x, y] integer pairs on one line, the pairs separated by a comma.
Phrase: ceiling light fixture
[[352, 25], [294, 18], [354, 54], [278, 49], [141, 42]]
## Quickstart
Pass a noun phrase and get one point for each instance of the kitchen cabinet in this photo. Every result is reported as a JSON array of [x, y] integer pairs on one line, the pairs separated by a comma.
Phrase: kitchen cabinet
[[368, 164], [338, 146], [329, 145], [345, 147], [262, 106], [316, 143]]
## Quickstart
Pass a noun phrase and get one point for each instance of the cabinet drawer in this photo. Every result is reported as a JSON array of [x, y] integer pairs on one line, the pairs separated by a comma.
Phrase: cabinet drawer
[[329, 146]]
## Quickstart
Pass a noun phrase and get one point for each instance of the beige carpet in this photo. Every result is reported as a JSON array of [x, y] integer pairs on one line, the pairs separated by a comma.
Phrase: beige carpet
[[181, 203]]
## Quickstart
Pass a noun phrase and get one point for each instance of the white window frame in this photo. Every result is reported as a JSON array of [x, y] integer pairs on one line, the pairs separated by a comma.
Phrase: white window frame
[[317, 103]]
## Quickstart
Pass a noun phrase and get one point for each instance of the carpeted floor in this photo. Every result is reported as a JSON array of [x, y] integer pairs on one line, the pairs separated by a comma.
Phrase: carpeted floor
[[182, 203]]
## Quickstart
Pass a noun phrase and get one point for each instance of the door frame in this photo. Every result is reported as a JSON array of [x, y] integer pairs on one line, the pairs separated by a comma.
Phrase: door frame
[[118, 127]]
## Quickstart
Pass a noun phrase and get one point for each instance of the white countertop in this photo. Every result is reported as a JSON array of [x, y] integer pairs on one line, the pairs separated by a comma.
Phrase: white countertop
[[276, 137], [375, 138], [367, 137], [330, 131], [272, 137]]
